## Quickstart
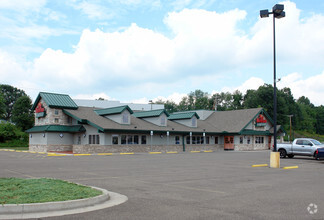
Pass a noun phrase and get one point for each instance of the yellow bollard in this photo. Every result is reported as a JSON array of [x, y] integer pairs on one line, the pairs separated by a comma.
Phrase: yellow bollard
[[275, 160]]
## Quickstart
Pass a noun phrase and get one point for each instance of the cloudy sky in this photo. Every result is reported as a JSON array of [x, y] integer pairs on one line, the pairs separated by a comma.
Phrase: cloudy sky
[[140, 50]]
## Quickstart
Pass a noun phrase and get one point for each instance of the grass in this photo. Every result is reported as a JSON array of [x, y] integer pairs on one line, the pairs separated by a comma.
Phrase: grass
[[21, 191]]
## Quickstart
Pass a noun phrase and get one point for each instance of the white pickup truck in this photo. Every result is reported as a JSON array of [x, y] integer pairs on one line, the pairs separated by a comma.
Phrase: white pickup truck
[[300, 146]]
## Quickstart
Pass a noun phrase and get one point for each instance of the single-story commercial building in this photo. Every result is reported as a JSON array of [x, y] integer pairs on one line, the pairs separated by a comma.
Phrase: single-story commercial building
[[62, 125]]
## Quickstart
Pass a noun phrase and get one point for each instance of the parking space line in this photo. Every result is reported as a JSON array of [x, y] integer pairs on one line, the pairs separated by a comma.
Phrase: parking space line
[[291, 167], [56, 155], [260, 165], [155, 152]]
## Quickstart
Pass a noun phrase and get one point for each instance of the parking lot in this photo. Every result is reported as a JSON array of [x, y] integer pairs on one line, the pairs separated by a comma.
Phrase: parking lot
[[218, 185]]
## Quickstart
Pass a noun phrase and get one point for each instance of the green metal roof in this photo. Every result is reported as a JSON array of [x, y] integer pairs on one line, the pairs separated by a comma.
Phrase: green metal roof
[[56, 128], [182, 115], [152, 113], [54, 100], [114, 110]]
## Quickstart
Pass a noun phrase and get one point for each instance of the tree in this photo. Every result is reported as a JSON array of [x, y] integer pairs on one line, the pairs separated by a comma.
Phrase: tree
[[10, 95], [237, 100], [2, 106], [320, 120], [22, 115]]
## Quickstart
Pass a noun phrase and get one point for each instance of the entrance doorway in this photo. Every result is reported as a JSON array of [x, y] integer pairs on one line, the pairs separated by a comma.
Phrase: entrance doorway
[[229, 143]]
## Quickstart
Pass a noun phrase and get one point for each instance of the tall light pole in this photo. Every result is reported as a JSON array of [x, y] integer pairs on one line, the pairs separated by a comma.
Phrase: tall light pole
[[277, 12]]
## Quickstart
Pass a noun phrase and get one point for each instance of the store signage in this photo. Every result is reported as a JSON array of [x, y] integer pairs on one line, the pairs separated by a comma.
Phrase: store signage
[[260, 121], [40, 111]]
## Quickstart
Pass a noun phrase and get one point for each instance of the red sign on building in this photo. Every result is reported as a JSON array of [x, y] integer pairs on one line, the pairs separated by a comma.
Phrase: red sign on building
[[261, 121], [40, 110]]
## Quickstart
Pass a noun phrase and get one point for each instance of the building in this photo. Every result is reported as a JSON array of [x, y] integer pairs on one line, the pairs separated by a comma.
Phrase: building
[[62, 125]]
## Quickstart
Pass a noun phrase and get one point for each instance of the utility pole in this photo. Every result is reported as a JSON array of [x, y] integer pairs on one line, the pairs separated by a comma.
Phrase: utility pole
[[290, 116]]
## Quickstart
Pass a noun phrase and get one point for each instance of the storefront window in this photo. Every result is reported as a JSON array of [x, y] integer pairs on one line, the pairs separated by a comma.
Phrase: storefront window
[[188, 139], [259, 140], [123, 139], [194, 140], [143, 139], [129, 139], [135, 139], [115, 140], [94, 139], [177, 140]]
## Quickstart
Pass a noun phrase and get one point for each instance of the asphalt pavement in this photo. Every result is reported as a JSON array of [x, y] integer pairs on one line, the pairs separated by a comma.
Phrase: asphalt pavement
[[217, 185]]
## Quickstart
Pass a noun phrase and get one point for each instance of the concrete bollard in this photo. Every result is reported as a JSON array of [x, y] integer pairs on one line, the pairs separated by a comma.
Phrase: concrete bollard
[[275, 160]]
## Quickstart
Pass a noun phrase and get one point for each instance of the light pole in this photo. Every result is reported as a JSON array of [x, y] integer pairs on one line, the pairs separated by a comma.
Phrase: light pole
[[277, 12]]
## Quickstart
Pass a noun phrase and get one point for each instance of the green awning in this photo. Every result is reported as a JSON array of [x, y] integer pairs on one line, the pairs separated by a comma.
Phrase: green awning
[[57, 128]]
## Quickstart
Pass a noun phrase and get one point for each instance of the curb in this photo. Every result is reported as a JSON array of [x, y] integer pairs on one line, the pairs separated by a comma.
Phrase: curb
[[49, 209], [54, 206], [57, 154]]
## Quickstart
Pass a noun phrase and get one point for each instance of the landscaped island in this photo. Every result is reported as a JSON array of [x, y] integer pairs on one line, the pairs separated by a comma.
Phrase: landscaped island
[[22, 191]]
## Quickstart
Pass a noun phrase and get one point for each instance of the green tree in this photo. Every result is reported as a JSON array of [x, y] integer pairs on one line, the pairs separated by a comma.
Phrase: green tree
[[169, 106], [22, 115], [2, 106], [319, 120], [237, 100], [10, 95]]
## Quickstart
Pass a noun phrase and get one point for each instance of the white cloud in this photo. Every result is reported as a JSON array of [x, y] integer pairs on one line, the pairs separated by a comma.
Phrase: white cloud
[[18, 5], [205, 48], [93, 10], [252, 83], [175, 97], [311, 87]]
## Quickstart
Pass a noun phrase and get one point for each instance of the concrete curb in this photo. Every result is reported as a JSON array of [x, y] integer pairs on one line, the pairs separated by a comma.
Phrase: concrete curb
[[38, 210], [57, 154]]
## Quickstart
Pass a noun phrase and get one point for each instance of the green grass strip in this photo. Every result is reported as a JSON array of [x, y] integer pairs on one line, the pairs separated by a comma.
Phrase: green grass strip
[[21, 191]]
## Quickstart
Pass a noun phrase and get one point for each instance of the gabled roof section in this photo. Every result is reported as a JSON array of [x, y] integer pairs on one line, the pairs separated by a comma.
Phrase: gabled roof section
[[113, 111], [54, 100], [233, 121], [152, 113], [56, 128], [261, 111], [183, 115]]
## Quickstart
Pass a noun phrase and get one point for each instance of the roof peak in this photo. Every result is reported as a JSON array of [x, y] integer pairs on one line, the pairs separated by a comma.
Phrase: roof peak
[[55, 100]]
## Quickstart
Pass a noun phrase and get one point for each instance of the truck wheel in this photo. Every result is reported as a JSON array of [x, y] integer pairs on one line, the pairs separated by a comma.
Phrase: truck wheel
[[283, 153], [290, 155]]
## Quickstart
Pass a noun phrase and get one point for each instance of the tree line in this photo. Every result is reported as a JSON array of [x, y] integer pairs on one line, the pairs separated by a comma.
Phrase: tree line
[[15, 106], [305, 116]]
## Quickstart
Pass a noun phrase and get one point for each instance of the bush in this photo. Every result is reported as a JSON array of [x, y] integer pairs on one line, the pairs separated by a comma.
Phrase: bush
[[10, 133]]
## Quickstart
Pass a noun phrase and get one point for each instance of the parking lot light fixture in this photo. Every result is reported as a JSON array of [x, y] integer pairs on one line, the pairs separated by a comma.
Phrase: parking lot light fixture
[[277, 12]]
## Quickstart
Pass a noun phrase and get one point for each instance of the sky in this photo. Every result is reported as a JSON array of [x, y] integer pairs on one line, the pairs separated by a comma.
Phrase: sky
[[141, 50]]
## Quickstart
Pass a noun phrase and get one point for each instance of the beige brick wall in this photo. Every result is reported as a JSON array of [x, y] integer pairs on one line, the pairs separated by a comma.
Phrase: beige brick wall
[[49, 148], [50, 117]]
